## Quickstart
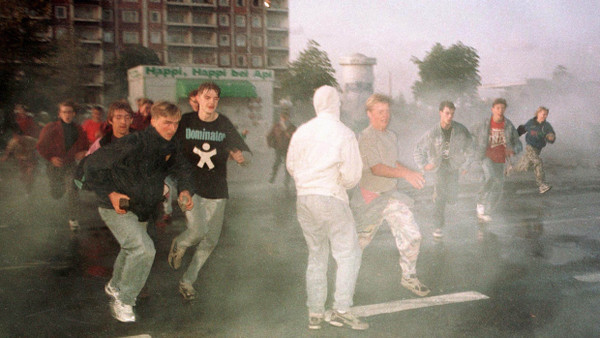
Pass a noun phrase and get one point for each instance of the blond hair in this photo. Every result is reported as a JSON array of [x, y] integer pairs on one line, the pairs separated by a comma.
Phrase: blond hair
[[377, 98], [164, 109]]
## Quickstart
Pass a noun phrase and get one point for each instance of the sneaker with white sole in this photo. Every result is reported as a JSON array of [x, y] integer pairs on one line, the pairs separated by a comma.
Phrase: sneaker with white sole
[[187, 291], [111, 291], [73, 225], [544, 188], [122, 312], [481, 215], [314, 321], [415, 286], [176, 255], [340, 319]]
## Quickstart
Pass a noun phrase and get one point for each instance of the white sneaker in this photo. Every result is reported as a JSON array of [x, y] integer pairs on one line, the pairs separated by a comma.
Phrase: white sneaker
[[544, 188], [438, 233], [73, 225], [481, 214], [111, 291], [122, 312]]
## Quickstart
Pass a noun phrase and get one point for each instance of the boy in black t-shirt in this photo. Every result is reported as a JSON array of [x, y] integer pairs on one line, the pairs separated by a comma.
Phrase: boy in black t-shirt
[[208, 139]]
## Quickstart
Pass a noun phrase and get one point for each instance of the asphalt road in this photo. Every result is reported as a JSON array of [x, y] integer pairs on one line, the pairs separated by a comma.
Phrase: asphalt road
[[534, 271]]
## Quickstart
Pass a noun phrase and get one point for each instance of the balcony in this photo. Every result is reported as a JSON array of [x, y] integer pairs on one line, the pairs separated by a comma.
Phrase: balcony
[[190, 19], [191, 3], [280, 6], [87, 14], [93, 36]]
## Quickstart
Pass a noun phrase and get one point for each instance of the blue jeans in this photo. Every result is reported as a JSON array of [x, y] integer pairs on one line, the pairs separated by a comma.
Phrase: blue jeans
[[326, 220], [490, 193], [204, 224], [133, 264]]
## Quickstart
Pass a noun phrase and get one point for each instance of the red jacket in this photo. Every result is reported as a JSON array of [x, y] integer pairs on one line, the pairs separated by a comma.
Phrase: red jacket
[[52, 143]]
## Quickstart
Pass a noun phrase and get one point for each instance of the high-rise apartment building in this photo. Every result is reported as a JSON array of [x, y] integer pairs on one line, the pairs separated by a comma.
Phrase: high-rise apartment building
[[251, 34]]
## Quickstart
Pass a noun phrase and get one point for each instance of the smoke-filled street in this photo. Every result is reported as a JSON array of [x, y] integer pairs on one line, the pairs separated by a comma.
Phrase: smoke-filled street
[[533, 271]]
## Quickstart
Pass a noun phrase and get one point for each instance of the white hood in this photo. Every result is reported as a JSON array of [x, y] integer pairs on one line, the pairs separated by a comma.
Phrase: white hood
[[323, 156], [327, 101]]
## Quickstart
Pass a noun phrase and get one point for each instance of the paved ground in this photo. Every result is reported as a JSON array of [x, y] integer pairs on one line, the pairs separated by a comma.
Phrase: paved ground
[[537, 265]]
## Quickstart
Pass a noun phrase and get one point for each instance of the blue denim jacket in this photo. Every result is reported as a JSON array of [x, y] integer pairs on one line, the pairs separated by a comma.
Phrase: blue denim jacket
[[481, 132]]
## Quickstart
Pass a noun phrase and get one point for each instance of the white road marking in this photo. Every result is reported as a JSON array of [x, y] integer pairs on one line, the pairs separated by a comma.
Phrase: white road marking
[[416, 303], [589, 278]]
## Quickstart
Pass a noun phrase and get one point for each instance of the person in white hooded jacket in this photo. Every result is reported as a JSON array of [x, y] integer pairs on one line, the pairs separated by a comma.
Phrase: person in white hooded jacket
[[324, 160]]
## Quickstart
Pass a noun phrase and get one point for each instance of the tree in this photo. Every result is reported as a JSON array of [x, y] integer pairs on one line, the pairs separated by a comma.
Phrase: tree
[[24, 27], [310, 71], [447, 74], [130, 57]]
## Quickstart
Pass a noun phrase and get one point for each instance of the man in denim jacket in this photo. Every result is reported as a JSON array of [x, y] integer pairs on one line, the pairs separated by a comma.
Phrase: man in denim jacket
[[495, 140], [447, 150]]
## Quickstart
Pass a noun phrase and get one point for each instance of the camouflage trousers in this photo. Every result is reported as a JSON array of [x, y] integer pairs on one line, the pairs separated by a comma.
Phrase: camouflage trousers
[[530, 158], [402, 223]]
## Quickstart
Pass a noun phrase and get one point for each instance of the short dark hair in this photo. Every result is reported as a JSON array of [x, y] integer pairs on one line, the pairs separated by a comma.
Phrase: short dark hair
[[193, 93], [500, 101], [68, 103], [209, 86], [448, 104]]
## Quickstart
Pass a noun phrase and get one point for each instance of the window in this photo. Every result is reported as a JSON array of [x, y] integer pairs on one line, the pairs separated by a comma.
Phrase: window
[[176, 37], [130, 16], [109, 36], [240, 40], [60, 12], [107, 15], [241, 61], [240, 21], [155, 16], [158, 1], [224, 60], [224, 40], [131, 37], [130, 0], [240, 3], [155, 37], [257, 41], [256, 21], [224, 3], [257, 61], [178, 17], [224, 20], [255, 3]]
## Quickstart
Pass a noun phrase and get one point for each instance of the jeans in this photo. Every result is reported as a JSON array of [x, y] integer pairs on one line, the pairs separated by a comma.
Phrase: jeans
[[204, 224], [133, 264], [326, 220], [445, 191], [280, 159], [61, 181], [491, 192], [171, 182]]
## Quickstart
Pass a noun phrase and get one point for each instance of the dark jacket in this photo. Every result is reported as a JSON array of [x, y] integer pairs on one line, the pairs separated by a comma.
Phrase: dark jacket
[[136, 165]]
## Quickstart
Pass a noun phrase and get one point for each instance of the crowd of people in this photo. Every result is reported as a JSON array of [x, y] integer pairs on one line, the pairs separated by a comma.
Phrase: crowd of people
[[138, 162]]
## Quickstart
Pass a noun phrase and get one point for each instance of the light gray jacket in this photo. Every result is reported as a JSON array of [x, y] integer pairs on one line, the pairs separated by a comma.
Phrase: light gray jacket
[[429, 148]]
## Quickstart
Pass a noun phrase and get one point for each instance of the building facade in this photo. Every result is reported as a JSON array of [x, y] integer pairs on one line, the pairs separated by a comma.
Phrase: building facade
[[250, 34]]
